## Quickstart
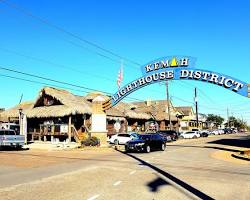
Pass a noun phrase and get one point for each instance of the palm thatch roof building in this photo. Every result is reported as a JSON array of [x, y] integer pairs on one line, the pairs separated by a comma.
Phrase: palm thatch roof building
[[53, 113], [125, 113], [158, 110], [59, 113]]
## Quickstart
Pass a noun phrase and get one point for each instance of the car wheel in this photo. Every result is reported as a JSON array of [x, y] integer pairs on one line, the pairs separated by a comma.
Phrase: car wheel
[[181, 137], [127, 150], [148, 149], [163, 147], [116, 142], [194, 137]]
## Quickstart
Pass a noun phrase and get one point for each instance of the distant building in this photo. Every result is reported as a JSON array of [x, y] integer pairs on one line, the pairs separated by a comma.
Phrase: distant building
[[188, 121], [1, 110]]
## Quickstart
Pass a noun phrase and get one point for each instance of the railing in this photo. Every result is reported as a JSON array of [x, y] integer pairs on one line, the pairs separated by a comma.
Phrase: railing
[[75, 134], [78, 137]]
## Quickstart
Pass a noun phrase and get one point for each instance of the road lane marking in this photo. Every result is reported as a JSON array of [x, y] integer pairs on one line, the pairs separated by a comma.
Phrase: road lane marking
[[132, 172], [94, 197], [117, 183]]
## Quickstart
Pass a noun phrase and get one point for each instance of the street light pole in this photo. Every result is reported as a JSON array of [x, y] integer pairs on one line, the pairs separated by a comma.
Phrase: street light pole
[[169, 114], [196, 107]]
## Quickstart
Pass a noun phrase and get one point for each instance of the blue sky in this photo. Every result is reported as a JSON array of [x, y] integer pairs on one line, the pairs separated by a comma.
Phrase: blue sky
[[215, 32]]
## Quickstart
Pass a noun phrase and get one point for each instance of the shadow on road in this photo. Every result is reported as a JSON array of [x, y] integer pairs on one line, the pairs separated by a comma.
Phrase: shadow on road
[[12, 149], [233, 142], [177, 181], [209, 147], [155, 184]]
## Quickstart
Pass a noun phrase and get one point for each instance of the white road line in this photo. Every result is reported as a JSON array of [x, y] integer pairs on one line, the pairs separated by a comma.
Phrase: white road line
[[117, 183], [132, 172], [94, 197]]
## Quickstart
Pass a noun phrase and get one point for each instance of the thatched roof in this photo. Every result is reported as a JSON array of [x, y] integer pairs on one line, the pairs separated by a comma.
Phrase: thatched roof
[[14, 112], [69, 105], [128, 110], [157, 109], [186, 110], [92, 95], [66, 103]]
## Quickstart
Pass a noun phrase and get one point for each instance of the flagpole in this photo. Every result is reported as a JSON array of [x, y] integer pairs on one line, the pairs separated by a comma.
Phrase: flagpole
[[120, 76]]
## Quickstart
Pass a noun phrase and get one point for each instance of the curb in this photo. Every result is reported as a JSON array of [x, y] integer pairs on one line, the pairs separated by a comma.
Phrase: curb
[[240, 157]]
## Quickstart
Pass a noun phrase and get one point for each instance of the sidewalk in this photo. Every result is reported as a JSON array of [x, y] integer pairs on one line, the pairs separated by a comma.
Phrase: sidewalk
[[52, 146]]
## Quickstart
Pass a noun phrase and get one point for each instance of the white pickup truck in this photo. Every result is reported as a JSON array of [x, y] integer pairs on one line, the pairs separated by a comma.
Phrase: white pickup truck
[[9, 138]]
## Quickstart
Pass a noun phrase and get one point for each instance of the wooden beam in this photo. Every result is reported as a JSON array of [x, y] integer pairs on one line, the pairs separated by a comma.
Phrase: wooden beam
[[69, 129]]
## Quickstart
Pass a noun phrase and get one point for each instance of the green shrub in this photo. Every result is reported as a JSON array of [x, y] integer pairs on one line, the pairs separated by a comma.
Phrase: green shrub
[[91, 141]]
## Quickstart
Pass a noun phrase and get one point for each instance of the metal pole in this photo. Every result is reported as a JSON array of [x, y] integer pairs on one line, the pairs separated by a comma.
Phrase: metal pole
[[227, 118], [169, 114], [196, 107]]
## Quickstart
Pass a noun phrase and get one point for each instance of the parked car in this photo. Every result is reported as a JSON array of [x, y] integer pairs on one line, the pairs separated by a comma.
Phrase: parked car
[[204, 133], [189, 135], [234, 130], [11, 126], [221, 131], [9, 138], [228, 130], [146, 143], [122, 138], [214, 132], [169, 135]]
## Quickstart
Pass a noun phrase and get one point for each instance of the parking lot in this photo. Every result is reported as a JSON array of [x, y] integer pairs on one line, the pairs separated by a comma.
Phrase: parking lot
[[188, 169]]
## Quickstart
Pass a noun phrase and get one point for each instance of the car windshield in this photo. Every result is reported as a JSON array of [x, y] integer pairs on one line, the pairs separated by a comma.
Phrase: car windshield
[[15, 128], [134, 135], [144, 137], [7, 132], [189, 132]]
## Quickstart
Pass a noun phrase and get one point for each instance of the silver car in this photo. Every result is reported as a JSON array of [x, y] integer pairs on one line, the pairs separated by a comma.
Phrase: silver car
[[9, 138]]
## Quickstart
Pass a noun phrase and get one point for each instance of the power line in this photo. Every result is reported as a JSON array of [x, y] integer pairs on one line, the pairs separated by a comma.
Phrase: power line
[[201, 91], [42, 83], [53, 63], [182, 99], [58, 28], [61, 82]]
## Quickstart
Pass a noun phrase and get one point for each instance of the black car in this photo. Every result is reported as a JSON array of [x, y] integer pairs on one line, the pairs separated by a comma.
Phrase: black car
[[169, 134], [203, 133], [228, 130], [146, 143]]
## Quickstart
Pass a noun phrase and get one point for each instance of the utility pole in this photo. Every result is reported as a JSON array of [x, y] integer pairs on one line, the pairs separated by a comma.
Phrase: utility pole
[[227, 118], [196, 107], [169, 115], [233, 118], [21, 98]]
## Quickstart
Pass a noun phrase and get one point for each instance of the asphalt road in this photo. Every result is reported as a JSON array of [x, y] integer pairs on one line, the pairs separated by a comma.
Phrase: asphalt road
[[187, 169]]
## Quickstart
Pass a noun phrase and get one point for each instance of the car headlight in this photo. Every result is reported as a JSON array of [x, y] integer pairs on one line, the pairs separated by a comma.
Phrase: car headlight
[[139, 144]]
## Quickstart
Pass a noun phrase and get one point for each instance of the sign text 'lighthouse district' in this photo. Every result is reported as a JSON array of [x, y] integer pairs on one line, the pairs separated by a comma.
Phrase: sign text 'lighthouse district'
[[178, 68]]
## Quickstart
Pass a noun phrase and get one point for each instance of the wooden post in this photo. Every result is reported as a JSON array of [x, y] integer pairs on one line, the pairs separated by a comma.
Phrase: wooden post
[[69, 129], [39, 137]]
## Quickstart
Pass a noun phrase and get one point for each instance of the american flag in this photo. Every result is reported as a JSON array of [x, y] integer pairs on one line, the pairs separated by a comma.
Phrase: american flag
[[120, 76]]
